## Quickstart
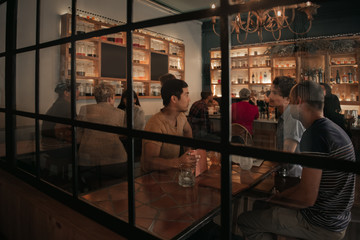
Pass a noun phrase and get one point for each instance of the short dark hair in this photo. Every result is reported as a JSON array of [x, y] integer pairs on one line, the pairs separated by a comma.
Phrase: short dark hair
[[165, 77], [205, 94], [327, 88], [172, 87], [309, 92], [284, 84]]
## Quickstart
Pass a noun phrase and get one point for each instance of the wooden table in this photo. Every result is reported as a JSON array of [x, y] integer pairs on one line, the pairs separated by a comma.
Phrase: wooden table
[[167, 210]]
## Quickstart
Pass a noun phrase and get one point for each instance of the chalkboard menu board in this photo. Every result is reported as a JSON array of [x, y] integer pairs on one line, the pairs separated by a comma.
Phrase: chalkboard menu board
[[159, 65], [113, 61]]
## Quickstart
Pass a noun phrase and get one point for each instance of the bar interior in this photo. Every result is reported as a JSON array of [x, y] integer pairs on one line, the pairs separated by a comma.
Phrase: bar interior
[[162, 119]]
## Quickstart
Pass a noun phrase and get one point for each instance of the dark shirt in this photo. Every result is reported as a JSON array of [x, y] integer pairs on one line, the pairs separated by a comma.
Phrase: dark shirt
[[199, 118], [336, 191]]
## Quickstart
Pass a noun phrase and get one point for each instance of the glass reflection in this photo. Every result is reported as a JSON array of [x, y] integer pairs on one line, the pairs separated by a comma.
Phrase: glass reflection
[[25, 81], [26, 23], [25, 144], [2, 82], [51, 23], [56, 154], [2, 26], [2, 138]]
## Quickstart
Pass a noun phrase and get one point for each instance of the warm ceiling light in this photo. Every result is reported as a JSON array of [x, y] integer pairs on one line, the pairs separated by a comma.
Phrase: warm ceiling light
[[272, 20]]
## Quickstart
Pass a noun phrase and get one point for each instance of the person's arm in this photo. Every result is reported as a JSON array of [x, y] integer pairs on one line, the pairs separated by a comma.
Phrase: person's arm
[[303, 194], [152, 161], [187, 133], [290, 145]]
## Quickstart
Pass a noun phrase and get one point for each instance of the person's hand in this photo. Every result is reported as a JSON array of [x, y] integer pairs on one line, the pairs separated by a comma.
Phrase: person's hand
[[190, 157]]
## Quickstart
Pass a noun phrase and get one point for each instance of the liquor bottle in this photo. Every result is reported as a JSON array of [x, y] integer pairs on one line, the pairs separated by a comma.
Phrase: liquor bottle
[[350, 77], [337, 78], [265, 77], [253, 78], [344, 78], [320, 76], [261, 78]]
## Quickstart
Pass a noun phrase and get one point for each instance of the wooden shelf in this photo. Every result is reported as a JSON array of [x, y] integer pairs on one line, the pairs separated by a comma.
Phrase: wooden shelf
[[290, 65], [146, 40], [349, 103]]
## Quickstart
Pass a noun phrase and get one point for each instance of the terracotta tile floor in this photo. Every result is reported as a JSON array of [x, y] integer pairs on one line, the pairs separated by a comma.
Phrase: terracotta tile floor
[[164, 208]]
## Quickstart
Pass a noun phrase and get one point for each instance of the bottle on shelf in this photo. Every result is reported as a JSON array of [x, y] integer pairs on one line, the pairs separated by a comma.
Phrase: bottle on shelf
[[265, 77], [261, 78], [344, 78], [321, 80], [337, 78], [350, 77], [253, 78]]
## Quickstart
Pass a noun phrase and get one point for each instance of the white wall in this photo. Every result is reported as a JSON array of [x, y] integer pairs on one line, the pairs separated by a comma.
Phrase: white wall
[[190, 32]]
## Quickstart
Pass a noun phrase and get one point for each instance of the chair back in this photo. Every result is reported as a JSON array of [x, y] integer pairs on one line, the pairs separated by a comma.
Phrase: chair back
[[239, 134]]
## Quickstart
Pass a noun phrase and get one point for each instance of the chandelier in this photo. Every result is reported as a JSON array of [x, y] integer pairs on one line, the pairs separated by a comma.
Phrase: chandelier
[[272, 20]]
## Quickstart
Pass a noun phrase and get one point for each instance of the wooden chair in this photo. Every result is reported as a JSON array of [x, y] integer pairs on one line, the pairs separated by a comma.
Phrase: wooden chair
[[239, 134]]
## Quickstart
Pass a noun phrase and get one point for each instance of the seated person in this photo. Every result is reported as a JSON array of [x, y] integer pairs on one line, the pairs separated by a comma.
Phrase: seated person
[[288, 130], [139, 121], [138, 112], [243, 112], [325, 197], [101, 154], [170, 120], [60, 108], [199, 115], [56, 137]]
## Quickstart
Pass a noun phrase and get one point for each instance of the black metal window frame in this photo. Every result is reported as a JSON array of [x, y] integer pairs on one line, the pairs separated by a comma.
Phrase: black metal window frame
[[224, 11]]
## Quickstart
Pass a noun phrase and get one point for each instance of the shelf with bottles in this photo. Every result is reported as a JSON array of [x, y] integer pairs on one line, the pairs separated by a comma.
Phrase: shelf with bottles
[[215, 64], [215, 77], [140, 41], [176, 49], [344, 75], [260, 76], [141, 72], [343, 60], [260, 62], [115, 39], [159, 45], [215, 54], [258, 51], [239, 63], [177, 74], [347, 93], [84, 69], [141, 57], [176, 63]]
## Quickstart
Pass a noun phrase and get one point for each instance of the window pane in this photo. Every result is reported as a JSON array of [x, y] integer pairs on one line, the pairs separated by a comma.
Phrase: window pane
[[2, 82], [50, 23], [110, 12], [25, 144], [56, 155], [26, 27], [174, 48], [25, 81], [2, 26], [2, 137], [54, 63]]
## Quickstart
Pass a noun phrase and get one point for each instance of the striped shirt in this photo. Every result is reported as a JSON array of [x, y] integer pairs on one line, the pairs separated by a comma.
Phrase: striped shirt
[[336, 191]]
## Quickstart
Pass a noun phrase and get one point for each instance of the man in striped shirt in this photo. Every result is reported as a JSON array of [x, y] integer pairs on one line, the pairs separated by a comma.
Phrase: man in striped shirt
[[326, 195]]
